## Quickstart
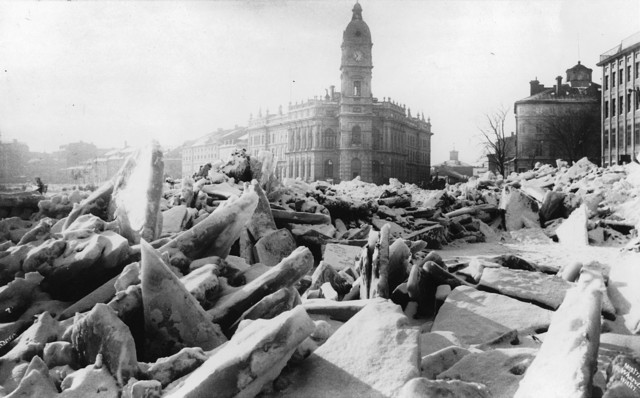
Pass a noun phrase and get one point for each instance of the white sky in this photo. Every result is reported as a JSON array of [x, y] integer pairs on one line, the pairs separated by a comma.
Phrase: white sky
[[118, 71]]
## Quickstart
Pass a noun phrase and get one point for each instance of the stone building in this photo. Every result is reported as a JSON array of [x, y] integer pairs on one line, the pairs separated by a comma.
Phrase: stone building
[[453, 168], [211, 148], [621, 101], [559, 122], [347, 133]]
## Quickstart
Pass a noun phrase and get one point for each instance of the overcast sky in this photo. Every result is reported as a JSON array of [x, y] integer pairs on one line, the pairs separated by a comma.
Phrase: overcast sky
[[118, 72]]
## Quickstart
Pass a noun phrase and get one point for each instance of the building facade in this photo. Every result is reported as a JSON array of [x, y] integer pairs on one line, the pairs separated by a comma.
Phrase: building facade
[[348, 133], [454, 169], [212, 147], [559, 122], [621, 102]]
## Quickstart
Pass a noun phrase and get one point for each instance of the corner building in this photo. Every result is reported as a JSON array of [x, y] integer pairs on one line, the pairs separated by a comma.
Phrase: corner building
[[348, 133], [621, 102]]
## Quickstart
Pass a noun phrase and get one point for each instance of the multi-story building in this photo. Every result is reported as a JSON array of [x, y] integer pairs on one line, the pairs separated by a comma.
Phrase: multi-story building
[[559, 122], [453, 168], [211, 147], [621, 101], [348, 133]]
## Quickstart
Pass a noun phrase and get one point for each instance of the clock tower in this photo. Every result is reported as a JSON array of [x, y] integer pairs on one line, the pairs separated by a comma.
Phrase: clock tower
[[356, 100]]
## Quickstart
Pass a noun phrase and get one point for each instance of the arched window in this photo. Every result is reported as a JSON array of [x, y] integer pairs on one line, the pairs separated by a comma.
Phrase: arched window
[[329, 139], [377, 139], [328, 168], [356, 135], [356, 167]]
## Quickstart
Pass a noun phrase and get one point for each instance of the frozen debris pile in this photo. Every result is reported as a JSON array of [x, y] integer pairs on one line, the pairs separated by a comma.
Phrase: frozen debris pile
[[237, 284]]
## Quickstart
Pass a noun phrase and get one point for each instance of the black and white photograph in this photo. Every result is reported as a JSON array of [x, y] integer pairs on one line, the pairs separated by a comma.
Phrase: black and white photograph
[[320, 199]]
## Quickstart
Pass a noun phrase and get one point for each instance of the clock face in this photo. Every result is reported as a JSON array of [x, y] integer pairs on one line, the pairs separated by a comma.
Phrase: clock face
[[357, 55]]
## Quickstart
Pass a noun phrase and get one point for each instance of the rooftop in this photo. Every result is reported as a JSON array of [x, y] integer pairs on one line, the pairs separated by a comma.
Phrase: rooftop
[[625, 46]]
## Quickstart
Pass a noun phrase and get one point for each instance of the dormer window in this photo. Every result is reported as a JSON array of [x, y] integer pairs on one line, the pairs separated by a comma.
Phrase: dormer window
[[357, 88]]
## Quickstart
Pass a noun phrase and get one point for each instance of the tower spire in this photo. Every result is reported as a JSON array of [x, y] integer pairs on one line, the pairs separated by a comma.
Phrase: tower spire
[[357, 12]]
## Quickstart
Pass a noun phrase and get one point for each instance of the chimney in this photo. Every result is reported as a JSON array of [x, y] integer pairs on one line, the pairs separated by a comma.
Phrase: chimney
[[558, 84], [536, 87], [333, 92]]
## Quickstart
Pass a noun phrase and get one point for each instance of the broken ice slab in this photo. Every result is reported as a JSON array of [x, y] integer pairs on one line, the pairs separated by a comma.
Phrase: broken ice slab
[[173, 317], [253, 357], [536, 287], [136, 195], [567, 359], [476, 317], [273, 247], [230, 307], [214, 235], [300, 217]]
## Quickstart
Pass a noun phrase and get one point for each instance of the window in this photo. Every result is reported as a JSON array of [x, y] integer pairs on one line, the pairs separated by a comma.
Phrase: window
[[628, 102], [613, 79], [357, 88], [620, 81], [628, 73], [538, 151], [377, 139], [636, 136], [606, 140], [614, 138], [606, 83], [613, 107], [620, 138], [328, 168], [375, 168], [329, 139], [637, 69], [621, 106], [356, 135], [606, 109], [356, 167]]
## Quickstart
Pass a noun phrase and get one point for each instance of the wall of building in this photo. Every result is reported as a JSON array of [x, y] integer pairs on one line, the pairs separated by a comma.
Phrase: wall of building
[[621, 103], [534, 138]]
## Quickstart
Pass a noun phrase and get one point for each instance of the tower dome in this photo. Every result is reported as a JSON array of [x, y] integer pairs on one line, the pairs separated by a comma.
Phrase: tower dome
[[357, 30], [579, 76]]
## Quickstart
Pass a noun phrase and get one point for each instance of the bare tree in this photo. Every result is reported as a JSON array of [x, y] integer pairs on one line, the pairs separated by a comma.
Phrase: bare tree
[[575, 135], [495, 140]]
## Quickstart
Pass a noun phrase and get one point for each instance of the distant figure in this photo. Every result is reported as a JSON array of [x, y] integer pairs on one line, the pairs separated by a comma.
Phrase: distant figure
[[42, 189], [203, 172], [170, 181], [197, 174]]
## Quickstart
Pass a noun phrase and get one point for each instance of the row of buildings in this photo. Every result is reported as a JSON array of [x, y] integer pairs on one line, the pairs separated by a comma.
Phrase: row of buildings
[[350, 132], [581, 118], [77, 163], [338, 136]]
